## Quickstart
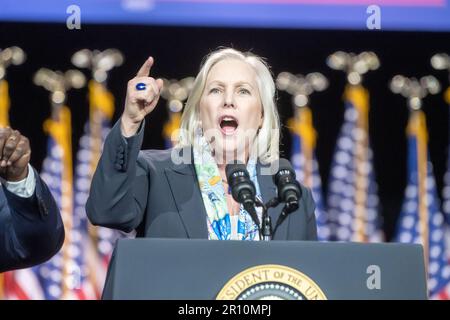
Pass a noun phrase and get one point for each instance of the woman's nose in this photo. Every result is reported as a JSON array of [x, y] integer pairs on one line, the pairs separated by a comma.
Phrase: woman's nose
[[229, 100]]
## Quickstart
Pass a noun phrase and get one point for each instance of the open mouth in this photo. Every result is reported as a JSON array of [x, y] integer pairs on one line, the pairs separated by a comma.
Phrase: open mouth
[[228, 124]]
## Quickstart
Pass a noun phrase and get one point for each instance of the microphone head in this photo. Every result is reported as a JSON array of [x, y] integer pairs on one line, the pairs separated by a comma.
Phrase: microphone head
[[236, 169], [242, 188], [289, 190], [284, 168]]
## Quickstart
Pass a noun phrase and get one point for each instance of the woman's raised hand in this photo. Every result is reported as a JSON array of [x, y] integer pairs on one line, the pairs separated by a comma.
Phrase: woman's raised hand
[[143, 94]]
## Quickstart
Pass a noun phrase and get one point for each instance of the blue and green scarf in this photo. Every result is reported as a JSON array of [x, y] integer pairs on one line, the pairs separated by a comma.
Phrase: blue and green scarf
[[214, 199]]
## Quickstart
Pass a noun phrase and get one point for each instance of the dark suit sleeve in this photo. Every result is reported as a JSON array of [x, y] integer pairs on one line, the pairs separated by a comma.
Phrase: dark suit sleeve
[[31, 229], [311, 229], [119, 188]]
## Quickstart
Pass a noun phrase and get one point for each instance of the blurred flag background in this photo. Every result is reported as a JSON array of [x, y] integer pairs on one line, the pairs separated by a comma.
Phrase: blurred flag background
[[370, 182]]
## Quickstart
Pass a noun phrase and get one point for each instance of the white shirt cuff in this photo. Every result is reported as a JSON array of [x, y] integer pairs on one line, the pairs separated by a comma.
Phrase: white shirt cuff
[[23, 188]]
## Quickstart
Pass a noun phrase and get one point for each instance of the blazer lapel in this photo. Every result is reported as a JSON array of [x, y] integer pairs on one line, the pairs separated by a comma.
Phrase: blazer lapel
[[269, 191], [186, 193]]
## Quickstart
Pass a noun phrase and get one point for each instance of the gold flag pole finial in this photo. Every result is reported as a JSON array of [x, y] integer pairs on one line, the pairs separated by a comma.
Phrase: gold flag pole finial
[[414, 90], [58, 83], [99, 62], [300, 87], [8, 56], [441, 61], [355, 65]]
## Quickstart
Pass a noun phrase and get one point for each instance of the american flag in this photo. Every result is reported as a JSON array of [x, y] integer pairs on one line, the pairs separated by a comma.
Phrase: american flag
[[446, 190], [421, 220], [445, 293], [306, 166], [61, 276], [99, 242], [22, 284], [352, 194]]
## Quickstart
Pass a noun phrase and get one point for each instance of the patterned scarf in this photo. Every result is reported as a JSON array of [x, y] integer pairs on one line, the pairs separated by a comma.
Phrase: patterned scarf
[[214, 199]]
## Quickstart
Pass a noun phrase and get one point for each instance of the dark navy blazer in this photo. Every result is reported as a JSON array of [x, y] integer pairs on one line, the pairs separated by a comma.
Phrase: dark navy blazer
[[147, 192], [31, 229]]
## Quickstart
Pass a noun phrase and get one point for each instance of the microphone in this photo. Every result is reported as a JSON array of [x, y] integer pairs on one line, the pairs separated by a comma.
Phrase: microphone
[[289, 190], [242, 188]]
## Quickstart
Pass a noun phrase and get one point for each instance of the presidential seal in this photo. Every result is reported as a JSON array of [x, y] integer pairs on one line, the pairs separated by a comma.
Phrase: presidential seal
[[271, 282]]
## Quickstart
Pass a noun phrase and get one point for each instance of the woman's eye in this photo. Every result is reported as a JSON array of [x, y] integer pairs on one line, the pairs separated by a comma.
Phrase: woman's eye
[[244, 91], [214, 90]]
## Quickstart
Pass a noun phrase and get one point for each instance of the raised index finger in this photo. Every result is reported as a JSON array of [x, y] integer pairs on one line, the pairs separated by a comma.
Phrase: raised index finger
[[144, 71]]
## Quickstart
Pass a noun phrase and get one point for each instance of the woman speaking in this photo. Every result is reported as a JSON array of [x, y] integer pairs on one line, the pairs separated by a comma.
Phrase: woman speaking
[[183, 192]]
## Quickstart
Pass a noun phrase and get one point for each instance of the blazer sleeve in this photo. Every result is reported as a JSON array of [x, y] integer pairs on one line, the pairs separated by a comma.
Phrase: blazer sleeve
[[119, 189], [31, 229]]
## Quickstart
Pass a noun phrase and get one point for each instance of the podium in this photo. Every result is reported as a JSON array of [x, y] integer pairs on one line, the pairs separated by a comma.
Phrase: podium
[[149, 268]]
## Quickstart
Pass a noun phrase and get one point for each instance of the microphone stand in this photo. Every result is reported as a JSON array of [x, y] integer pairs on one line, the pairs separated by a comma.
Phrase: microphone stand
[[283, 215], [266, 233]]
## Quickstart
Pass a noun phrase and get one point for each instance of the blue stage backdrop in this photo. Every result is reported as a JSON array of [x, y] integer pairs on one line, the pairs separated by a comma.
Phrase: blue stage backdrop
[[430, 15]]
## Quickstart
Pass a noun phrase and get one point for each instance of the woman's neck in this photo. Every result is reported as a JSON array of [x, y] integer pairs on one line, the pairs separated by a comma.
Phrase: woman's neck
[[224, 158], [222, 171]]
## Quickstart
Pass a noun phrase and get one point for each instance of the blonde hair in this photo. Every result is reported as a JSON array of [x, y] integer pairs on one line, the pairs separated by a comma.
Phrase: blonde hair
[[268, 138]]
